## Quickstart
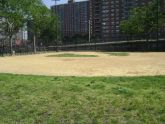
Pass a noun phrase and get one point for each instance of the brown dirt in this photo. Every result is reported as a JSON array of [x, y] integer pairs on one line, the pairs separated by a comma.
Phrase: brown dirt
[[136, 64]]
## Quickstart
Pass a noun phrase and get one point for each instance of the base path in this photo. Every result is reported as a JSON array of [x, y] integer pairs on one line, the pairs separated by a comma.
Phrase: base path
[[136, 64]]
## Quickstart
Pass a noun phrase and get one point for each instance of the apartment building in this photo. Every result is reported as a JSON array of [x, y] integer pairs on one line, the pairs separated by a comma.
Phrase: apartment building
[[106, 16], [73, 17]]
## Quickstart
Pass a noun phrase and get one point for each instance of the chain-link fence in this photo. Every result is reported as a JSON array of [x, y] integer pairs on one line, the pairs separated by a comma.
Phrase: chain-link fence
[[19, 47]]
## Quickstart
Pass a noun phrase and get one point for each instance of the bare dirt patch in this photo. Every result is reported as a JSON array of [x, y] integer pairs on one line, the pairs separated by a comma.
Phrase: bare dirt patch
[[135, 64]]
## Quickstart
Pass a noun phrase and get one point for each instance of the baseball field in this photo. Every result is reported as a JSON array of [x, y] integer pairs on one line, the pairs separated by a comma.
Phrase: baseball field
[[85, 64], [83, 88]]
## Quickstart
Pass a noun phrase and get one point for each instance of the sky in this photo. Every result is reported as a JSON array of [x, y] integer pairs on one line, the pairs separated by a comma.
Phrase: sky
[[49, 3]]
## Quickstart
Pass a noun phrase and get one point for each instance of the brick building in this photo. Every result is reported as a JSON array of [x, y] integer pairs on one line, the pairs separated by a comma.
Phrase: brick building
[[106, 16], [73, 17]]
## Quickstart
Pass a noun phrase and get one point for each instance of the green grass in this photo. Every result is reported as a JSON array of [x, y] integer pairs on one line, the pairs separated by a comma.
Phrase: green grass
[[81, 100], [118, 53], [71, 55]]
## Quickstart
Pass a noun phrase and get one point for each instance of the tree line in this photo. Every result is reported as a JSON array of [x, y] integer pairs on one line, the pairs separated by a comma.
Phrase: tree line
[[145, 21], [17, 13]]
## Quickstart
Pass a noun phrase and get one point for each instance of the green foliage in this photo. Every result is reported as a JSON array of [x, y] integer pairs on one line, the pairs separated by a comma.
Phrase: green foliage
[[83, 100], [12, 12], [16, 13], [50, 34], [40, 15], [144, 20], [134, 25], [118, 53], [71, 55], [45, 24]]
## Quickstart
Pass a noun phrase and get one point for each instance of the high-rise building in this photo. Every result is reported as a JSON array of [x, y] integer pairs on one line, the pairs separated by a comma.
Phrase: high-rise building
[[106, 16], [73, 17]]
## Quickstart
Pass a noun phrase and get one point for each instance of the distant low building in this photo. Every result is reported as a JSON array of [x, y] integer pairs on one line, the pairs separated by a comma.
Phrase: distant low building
[[73, 17]]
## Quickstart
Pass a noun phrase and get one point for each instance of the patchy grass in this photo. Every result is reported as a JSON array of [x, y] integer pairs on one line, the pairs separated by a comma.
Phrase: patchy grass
[[83, 100], [118, 53], [71, 55]]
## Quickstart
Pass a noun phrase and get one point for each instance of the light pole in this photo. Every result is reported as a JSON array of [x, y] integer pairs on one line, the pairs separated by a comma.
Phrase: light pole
[[55, 1], [89, 31]]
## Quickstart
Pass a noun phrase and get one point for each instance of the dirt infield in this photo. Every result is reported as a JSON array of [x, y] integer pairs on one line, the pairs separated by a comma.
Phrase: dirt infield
[[136, 64]]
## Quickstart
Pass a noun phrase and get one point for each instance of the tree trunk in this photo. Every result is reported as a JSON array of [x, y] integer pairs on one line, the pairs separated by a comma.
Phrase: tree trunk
[[11, 45], [34, 44], [3, 48]]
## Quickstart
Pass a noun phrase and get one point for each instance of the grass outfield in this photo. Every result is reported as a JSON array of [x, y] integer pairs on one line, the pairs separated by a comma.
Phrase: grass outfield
[[71, 55], [118, 53], [82, 100]]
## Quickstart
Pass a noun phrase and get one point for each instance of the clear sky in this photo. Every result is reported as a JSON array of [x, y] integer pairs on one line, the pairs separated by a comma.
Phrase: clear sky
[[51, 2]]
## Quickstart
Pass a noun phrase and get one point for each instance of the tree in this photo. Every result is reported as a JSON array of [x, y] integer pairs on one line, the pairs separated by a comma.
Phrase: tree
[[44, 23], [144, 20], [12, 12], [50, 34], [16, 13]]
